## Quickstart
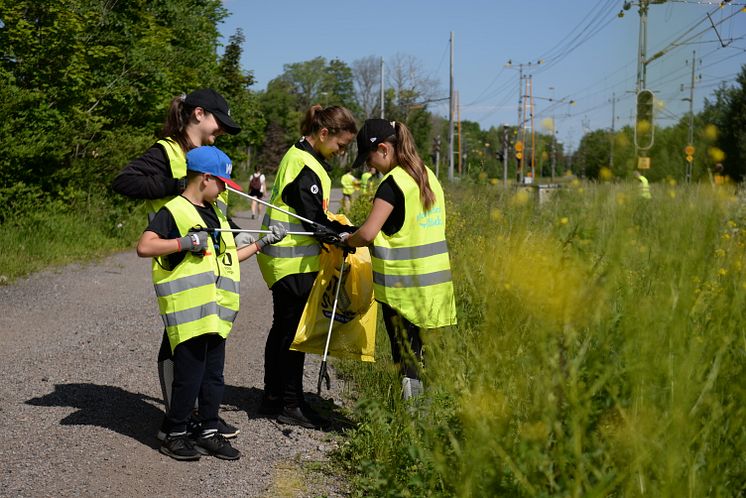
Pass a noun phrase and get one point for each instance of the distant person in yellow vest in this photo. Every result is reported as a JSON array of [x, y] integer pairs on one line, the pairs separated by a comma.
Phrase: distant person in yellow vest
[[411, 267], [644, 185], [349, 183], [366, 180], [302, 186], [197, 283], [160, 174]]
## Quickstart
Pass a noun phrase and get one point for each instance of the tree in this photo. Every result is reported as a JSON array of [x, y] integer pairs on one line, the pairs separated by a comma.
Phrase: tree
[[728, 114], [366, 74]]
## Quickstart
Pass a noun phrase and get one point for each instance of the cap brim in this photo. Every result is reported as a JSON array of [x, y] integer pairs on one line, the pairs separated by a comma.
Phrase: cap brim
[[231, 183], [227, 123], [360, 159]]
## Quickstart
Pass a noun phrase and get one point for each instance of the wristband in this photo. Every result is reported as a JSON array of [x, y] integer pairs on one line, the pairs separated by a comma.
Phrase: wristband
[[178, 245], [258, 247]]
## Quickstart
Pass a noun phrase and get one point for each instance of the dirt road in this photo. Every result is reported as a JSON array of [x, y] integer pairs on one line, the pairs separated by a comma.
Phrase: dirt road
[[80, 400]]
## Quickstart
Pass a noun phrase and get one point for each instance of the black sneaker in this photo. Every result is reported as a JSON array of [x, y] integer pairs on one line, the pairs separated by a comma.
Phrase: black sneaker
[[295, 416], [217, 446], [227, 430], [179, 447]]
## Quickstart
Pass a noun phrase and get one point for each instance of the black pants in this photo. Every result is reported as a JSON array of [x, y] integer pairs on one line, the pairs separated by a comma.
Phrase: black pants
[[406, 344], [283, 368], [198, 374]]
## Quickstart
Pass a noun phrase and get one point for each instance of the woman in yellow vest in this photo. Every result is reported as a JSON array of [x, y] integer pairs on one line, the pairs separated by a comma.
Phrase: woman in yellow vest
[[411, 269], [196, 278], [160, 174], [289, 268]]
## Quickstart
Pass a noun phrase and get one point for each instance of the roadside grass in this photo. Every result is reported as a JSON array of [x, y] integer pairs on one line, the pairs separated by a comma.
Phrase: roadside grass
[[78, 228], [599, 352]]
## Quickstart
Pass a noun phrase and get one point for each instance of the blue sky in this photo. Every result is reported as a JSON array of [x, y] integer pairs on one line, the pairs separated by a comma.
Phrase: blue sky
[[588, 52]]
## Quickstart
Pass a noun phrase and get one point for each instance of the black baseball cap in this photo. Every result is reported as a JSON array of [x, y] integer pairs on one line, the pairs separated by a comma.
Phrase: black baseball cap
[[373, 132], [211, 101]]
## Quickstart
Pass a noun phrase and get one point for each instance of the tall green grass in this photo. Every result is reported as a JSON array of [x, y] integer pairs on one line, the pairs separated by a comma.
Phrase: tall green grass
[[600, 351]]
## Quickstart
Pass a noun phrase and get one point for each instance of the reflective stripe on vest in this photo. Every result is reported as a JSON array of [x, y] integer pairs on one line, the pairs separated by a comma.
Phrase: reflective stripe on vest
[[200, 295], [411, 269], [421, 280], [295, 253]]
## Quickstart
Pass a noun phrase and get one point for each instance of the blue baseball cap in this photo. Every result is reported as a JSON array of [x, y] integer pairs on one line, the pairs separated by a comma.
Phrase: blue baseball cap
[[213, 161]]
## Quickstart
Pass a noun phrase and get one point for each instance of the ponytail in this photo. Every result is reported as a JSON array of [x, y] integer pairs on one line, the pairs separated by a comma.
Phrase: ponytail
[[176, 122], [334, 118], [409, 160]]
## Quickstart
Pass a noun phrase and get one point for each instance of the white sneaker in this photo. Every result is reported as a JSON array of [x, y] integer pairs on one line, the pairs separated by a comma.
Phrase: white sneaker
[[411, 387]]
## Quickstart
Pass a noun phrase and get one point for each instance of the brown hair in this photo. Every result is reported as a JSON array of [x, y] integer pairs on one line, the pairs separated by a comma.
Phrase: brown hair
[[407, 157], [334, 118], [176, 123]]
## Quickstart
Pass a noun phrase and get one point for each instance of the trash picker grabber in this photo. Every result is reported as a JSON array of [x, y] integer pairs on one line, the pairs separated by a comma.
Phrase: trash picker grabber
[[323, 233], [294, 215], [251, 230], [323, 374]]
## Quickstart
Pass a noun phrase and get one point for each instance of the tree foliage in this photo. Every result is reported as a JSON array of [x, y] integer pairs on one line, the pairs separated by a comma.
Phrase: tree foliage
[[85, 84]]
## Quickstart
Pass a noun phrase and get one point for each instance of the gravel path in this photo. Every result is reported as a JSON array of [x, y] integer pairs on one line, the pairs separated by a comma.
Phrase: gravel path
[[81, 401]]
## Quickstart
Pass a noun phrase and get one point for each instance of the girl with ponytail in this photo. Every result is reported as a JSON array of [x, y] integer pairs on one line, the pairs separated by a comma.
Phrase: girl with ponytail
[[406, 226]]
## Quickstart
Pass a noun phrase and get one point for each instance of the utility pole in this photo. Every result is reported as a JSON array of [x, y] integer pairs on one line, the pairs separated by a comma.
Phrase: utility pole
[[458, 120], [642, 45], [450, 119], [382, 88], [690, 145], [613, 130], [505, 155]]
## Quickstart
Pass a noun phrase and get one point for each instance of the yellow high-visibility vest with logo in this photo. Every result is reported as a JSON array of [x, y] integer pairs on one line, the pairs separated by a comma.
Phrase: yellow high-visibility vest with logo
[[411, 269], [295, 253], [177, 161], [200, 295]]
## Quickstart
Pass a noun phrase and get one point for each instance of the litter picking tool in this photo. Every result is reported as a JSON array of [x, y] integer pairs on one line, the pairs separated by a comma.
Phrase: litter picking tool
[[324, 234], [323, 374], [250, 230]]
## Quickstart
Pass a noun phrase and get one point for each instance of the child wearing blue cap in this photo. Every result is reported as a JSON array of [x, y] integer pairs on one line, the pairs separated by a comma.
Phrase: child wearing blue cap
[[196, 278]]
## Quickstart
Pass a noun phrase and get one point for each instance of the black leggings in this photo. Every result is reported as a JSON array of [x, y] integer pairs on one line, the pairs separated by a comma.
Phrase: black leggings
[[406, 343], [283, 368]]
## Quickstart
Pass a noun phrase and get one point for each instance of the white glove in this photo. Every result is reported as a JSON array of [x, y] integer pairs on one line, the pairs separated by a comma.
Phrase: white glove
[[244, 239]]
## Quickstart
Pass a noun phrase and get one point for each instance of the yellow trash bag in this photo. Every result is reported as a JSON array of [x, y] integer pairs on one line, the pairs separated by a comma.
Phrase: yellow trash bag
[[354, 331]]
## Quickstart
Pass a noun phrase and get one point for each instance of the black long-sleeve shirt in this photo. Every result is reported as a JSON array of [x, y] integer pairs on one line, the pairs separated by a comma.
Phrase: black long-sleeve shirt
[[148, 176]]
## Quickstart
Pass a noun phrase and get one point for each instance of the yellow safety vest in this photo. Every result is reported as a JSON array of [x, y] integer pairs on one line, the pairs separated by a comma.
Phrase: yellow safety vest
[[411, 269], [295, 253], [644, 188], [364, 181], [348, 183], [200, 295], [177, 161]]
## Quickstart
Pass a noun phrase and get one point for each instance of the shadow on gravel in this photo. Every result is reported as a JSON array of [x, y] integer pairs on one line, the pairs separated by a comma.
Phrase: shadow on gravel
[[248, 399], [109, 407]]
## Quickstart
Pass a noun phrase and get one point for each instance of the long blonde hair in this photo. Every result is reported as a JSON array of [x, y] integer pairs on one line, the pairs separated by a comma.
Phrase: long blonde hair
[[410, 161]]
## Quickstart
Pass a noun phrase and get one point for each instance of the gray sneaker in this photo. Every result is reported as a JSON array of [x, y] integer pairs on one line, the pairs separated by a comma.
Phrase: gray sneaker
[[179, 447], [411, 388]]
